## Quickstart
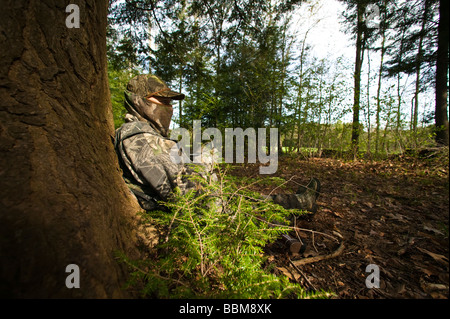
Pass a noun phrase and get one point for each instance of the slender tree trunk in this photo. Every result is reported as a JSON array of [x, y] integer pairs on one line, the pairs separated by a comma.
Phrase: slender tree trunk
[[305, 120], [369, 126], [442, 133], [383, 51], [180, 103], [285, 56], [318, 137], [385, 142], [415, 114], [62, 200], [300, 89], [399, 114], [399, 94], [328, 119], [357, 77]]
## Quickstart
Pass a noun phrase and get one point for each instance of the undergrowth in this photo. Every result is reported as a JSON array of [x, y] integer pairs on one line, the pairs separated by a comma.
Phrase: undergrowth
[[211, 246]]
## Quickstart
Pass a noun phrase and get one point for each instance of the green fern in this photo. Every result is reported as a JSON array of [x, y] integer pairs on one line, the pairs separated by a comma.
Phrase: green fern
[[213, 245]]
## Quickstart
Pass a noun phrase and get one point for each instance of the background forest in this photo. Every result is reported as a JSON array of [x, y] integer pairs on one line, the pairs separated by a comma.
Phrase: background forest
[[256, 64]]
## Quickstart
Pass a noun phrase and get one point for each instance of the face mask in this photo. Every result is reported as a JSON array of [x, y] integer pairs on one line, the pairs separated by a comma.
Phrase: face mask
[[158, 114], [161, 115]]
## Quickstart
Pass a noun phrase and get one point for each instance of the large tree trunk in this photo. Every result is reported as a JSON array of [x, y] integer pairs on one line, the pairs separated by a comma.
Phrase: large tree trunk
[[62, 197], [441, 76]]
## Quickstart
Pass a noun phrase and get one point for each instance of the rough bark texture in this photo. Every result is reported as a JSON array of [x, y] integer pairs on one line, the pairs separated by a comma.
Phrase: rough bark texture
[[62, 197]]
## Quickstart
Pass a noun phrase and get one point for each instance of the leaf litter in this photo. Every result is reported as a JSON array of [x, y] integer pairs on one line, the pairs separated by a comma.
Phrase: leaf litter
[[391, 213]]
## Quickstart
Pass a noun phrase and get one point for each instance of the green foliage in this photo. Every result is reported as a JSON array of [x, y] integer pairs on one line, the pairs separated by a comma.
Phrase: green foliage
[[212, 246], [118, 80], [240, 65]]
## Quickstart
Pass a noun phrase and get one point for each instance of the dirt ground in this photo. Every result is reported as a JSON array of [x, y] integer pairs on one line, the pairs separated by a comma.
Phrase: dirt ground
[[391, 213]]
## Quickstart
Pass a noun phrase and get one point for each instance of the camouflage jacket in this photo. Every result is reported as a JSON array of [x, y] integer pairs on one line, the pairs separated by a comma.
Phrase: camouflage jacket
[[148, 170]]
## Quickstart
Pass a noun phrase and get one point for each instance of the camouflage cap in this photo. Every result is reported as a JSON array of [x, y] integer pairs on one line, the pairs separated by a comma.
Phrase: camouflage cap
[[148, 85]]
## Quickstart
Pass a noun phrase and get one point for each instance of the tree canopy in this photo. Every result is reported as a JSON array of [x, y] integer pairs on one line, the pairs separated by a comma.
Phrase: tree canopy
[[241, 65]]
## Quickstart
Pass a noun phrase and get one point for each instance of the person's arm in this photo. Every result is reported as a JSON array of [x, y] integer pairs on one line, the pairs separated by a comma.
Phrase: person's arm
[[151, 163]]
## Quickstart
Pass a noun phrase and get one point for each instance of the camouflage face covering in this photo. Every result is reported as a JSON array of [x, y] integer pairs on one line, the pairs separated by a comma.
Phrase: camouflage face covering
[[146, 86], [146, 111]]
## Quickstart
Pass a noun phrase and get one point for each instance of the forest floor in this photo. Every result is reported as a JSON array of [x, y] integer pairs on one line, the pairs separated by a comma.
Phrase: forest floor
[[391, 213]]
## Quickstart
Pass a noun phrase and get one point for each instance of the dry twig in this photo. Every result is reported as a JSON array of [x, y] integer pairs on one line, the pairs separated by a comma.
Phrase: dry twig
[[310, 260], [303, 275]]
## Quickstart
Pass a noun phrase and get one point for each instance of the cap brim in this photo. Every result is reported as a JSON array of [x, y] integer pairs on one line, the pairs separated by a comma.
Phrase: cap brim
[[171, 94]]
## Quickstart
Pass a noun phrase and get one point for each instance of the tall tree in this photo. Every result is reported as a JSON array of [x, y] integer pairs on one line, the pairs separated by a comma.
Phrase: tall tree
[[63, 200], [383, 26], [420, 52], [356, 18], [313, 10], [416, 29], [442, 129], [360, 46]]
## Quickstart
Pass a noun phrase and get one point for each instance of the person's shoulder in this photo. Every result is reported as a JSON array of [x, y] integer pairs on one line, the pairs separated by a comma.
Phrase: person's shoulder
[[134, 128]]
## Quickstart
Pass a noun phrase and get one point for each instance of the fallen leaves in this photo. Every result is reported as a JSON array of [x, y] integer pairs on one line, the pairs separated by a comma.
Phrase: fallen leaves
[[439, 258], [434, 289], [332, 212], [389, 214], [433, 230]]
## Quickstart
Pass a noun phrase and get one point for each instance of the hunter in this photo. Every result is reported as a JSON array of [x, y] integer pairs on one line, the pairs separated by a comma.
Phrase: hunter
[[144, 149]]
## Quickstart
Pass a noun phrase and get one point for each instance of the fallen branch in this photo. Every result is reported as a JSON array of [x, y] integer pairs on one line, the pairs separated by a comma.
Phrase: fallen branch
[[303, 275], [310, 260]]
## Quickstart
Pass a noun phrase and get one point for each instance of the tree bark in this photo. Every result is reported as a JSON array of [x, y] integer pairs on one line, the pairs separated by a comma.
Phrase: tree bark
[[299, 96], [415, 111], [442, 134], [357, 77], [63, 200], [380, 75]]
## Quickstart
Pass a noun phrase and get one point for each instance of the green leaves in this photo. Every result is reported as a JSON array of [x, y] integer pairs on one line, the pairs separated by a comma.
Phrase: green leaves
[[118, 80], [212, 245]]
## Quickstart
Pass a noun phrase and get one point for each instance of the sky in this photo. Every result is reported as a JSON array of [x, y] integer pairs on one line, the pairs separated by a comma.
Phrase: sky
[[328, 40], [325, 36]]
